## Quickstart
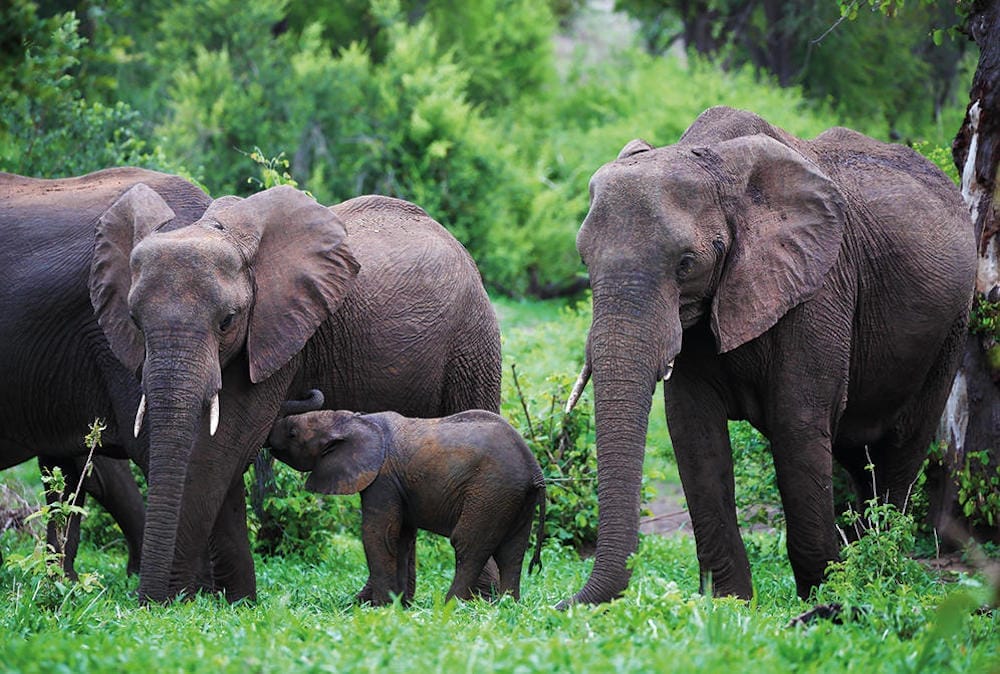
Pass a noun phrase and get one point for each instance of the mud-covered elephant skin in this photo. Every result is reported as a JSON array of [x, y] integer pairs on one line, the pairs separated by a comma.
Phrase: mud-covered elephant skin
[[469, 476], [111, 483], [818, 288], [57, 369], [259, 300]]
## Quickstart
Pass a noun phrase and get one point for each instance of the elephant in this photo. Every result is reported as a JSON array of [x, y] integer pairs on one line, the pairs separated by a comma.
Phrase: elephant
[[58, 371], [469, 476], [111, 483], [819, 289], [258, 300]]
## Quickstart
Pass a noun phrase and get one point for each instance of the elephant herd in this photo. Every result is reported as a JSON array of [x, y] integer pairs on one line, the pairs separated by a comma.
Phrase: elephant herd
[[819, 289]]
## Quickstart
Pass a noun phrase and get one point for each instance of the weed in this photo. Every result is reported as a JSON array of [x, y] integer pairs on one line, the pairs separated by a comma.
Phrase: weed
[[42, 580]]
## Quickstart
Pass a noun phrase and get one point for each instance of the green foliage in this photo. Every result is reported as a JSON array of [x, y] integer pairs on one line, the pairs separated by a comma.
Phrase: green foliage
[[985, 318], [757, 497], [303, 523], [39, 573], [47, 127], [978, 482]]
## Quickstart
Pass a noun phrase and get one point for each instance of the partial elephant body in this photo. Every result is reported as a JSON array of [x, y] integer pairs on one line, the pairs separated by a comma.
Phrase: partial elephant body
[[261, 299], [468, 476], [58, 372], [819, 289]]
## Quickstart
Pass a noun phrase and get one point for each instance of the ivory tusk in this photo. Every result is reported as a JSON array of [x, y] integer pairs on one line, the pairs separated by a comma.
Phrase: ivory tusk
[[581, 383], [670, 371], [140, 413], [213, 415]]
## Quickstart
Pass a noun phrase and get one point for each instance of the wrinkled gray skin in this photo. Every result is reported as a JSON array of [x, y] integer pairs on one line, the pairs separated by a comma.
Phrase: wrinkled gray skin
[[469, 476], [57, 370], [259, 300], [819, 289]]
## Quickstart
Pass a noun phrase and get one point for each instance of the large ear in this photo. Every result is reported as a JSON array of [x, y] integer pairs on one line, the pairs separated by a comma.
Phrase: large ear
[[787, 219], [302, 266], [132, 217], [352, 460]]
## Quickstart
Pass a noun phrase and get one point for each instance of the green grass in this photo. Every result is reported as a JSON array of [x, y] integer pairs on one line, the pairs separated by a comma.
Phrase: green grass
[[304, 619]]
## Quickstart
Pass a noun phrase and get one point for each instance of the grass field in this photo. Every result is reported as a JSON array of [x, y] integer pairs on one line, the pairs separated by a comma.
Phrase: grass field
[[908, 619]]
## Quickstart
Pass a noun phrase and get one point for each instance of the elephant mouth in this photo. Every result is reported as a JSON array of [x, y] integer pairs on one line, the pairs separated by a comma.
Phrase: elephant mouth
[[213, 416]]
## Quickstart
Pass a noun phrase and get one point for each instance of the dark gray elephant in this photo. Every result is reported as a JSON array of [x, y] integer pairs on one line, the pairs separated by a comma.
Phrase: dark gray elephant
[[265, 297], [819, 289], [57, 370], [469, 476]]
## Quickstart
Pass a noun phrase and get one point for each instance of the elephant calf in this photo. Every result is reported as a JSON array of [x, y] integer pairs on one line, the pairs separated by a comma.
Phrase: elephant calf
[[469, 476]]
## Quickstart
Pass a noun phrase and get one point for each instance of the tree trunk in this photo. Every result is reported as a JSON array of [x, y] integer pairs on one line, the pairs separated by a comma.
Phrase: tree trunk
[[972, 417]]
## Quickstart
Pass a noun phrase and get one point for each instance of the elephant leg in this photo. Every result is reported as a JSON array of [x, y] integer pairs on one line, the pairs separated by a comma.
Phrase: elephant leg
[[474, 542], [382, 537], [509, 554], [803, 465], [66, 542], [900, 456], [232, 561], [406, 567], [699, 431], [111, 483]]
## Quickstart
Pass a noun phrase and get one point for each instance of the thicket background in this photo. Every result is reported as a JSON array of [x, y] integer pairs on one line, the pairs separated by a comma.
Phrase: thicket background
[[491, 114]]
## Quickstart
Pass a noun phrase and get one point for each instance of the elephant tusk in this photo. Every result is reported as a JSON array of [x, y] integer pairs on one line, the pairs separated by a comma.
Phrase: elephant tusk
[[581, 383], [139, 415], [213, 415], [670, 371]]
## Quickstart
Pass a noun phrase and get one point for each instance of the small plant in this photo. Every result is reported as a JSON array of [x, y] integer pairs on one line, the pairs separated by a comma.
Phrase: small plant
[[876, 579], [979, 488], [273, 170], [42, 570]]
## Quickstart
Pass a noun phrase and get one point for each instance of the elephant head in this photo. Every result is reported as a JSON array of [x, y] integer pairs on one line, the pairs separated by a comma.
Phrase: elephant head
[[729, 235], [344, 450], [247, 284]]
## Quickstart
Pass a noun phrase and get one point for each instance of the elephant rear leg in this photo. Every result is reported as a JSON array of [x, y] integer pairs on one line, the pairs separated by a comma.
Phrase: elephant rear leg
[[510, 553], [899, 456], [473, 545]]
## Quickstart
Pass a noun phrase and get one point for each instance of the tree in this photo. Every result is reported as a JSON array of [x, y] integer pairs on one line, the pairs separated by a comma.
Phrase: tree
[[966, 496]]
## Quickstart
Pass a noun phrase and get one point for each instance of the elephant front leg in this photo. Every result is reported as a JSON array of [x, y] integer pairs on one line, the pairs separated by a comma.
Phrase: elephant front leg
[[700, 435], [383, 540], [232, 561], [803, 465]]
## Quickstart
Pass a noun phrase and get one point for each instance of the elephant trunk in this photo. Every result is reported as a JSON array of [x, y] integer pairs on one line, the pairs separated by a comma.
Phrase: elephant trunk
[[177, 402], [628, 354]]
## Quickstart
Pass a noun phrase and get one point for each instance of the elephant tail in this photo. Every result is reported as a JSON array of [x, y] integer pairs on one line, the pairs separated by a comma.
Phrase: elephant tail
[[536, 560]]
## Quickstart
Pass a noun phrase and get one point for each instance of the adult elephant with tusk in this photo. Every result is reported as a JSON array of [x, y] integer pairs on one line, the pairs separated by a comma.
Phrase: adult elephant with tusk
[[57, 369], [819, 289], [261, 298]]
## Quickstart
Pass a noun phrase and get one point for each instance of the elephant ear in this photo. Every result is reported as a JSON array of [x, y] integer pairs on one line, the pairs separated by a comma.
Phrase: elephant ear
[[787, 219], [135, 214], [634, 146], [302, 267], [352, 460]]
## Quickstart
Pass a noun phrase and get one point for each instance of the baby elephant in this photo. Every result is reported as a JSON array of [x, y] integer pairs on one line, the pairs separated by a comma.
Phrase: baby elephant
[[469, 476]]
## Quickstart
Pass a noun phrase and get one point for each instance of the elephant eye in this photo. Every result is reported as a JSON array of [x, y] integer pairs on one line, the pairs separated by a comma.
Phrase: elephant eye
[[227, 321], [685, 266]]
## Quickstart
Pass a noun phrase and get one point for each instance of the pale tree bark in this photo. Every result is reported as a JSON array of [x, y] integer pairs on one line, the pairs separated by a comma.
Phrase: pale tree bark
[[972, 417]]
